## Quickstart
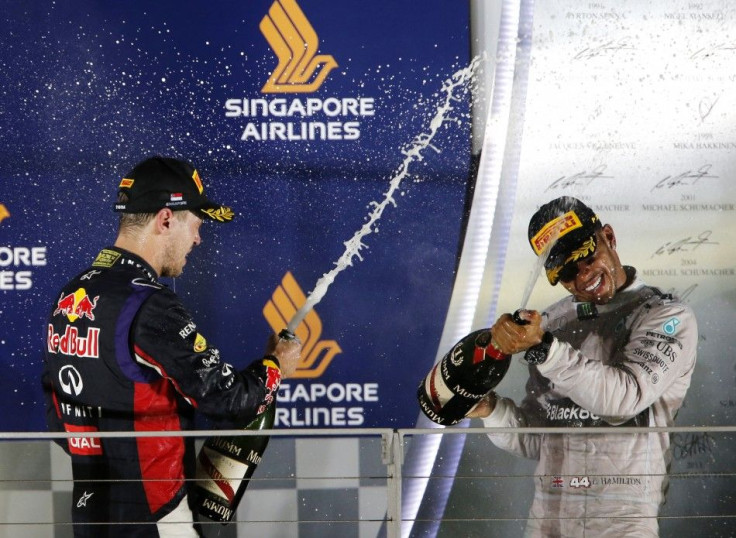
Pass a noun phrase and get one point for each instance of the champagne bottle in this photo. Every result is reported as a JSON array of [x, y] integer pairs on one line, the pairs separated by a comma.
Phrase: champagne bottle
[[225, 466], [469, 371]]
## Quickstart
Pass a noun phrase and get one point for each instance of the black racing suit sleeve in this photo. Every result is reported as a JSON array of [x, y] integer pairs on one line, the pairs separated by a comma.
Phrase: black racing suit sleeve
[[53, 416], [164, 337]]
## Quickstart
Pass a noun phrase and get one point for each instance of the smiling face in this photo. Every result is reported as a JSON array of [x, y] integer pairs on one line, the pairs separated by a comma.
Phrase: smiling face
[[599, 275]]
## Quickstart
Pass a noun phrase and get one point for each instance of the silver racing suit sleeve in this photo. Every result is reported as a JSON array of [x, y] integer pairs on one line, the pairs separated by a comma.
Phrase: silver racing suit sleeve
[[655, 363], [507, 414]]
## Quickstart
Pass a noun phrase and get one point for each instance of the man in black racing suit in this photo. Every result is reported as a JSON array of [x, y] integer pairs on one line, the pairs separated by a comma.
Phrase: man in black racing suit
[[123, 354]]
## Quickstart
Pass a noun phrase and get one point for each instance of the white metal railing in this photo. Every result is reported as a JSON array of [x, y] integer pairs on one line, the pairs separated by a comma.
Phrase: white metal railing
[[17, 480]]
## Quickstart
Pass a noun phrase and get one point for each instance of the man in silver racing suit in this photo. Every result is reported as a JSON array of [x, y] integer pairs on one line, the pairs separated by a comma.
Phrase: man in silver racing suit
[[617, 352]]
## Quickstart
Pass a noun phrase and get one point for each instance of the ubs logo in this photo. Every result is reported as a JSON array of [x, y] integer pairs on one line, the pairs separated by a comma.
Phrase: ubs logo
[[293, 39], [316, 354]]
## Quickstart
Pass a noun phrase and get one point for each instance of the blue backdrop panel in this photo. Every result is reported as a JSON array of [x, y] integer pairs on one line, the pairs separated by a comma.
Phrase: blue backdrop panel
[[93, 87]]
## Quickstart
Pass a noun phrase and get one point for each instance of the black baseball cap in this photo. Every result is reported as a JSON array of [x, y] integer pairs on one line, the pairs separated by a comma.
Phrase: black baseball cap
[[573, 224], [160, 182]]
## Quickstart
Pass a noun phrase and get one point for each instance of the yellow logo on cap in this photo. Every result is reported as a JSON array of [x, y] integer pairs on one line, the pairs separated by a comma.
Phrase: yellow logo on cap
[[316, 354], [555, 229], [4, 213], [295, 44], [198, 182], [126, 183]]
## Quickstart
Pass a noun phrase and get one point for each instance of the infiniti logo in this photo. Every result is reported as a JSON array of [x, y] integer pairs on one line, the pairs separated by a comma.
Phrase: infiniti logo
[[70, 380]]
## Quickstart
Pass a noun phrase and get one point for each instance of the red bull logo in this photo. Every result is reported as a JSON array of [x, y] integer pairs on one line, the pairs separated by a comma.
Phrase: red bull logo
[[76, 305], [273, 376], [273, 381], [74, 344]]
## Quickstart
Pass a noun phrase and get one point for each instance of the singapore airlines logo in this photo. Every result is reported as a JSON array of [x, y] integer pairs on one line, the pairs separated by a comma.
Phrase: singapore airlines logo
[[293, 39], [316, 354], [4, 213]]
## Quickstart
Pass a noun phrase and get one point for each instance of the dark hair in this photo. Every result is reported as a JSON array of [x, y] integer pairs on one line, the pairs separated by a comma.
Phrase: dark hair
[[132, 221]]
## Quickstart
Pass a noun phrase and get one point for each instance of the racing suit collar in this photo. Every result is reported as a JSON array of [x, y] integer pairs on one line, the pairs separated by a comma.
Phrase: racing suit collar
[[112, 256]]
